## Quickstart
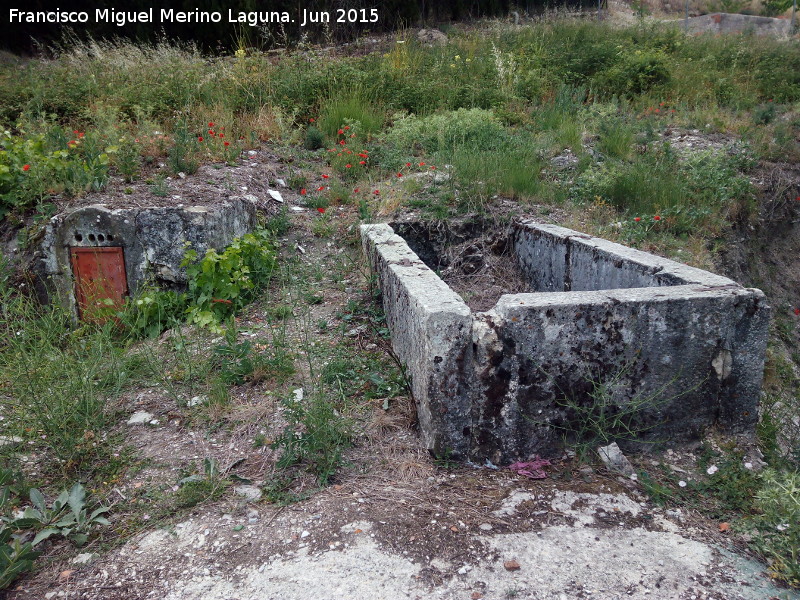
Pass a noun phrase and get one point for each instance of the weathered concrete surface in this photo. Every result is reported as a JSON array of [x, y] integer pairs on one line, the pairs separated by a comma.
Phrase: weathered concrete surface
[[676, 349], [431, 328], [547, 361], [154, 240], [734, 23]]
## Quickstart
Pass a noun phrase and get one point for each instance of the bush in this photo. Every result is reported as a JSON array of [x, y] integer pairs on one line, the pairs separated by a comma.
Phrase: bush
[[474, 129]]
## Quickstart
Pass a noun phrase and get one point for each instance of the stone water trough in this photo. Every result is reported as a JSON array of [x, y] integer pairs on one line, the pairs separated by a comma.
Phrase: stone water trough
[[654, 350], [96, 255]]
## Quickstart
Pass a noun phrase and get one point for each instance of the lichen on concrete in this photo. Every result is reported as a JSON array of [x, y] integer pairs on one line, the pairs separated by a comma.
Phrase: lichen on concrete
[[674, 348]]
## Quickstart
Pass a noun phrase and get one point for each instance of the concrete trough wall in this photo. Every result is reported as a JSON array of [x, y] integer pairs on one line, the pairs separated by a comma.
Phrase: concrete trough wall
[[676, 348]]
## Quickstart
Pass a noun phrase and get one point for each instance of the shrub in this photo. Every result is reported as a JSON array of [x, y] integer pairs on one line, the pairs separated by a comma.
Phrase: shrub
[[221, 283], [475, 129]]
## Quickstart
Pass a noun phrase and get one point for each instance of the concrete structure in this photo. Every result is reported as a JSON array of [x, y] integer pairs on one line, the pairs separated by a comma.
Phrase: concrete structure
[[153, 241], [647, 344], [727, 23]]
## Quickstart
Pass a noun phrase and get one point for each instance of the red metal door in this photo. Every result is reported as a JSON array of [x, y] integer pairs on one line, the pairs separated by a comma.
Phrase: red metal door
[[100, 281]]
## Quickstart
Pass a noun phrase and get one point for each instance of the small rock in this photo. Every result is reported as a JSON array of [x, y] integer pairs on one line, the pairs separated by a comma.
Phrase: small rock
[[485, 527], [140, 417], [464, 570], [10, 440], [65, 575], [434, 37], [195, 401], [280, 182], [511, 565], [305, 534], [276, 195], [614, 459], [84, 559], [250, 493]]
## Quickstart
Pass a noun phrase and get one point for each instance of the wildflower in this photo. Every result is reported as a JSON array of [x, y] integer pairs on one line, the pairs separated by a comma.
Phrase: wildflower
[[362, 162], [211, 132], [657, 218], [324, 176], [320, 210], [320, 188], [226, 144], [75, 132], [81, 134], [355, 191], [222, 135], [399, 174], [347, 166], [211, 124], [302, 191], [408, 164], [346, 127], [362, 154], [26, 167], [637, 219], [311, 120], [422, 164], [377, 192], [342, 142], [340, 132], [433, 168], [797, 311], [200, 138], [658, 110]]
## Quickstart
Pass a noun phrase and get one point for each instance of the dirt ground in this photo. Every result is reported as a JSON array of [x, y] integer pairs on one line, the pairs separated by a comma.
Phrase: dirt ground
[[395, 523]]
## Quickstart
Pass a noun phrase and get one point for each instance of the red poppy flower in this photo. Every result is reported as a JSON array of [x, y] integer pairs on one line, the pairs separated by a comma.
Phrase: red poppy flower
[[226, 144], [352, 135], [346, 127], [221, 135], [211, 123], [362, 154], [340, 132], [656, 218], [797, 311], [355, 191], [311, 120], [302, 191], [324, 176], [342, 142], [26, 167], [399, 174], [200, 138], [422, 164], [377, 192], [75, 132], [433, 168], [637, 219], [211, 133], [320, 210], [80, 135], [408, 164], [320, 188], [347, 166]]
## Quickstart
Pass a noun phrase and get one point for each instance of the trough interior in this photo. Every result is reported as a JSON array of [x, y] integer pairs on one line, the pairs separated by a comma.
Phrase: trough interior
[[482, 260]]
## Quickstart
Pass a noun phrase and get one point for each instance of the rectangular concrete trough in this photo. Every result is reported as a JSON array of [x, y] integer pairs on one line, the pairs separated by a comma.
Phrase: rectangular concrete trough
[[649, 346]]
